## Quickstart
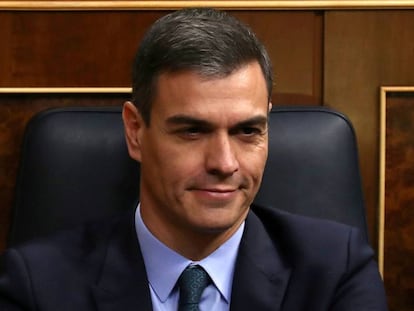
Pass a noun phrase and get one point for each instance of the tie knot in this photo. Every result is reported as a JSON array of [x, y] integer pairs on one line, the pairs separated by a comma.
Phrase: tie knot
[[192, 283]]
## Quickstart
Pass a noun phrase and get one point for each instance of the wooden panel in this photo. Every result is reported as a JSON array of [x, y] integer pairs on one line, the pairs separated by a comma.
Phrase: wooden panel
[[364, 50], [399, 199], [95, 49], [294, 42], [70, 48]]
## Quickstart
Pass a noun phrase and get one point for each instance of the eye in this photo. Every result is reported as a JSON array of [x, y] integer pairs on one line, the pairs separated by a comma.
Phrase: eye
[[191, 132], [250, 131]]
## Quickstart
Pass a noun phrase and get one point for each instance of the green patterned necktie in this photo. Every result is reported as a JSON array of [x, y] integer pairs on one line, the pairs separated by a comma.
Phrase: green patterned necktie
[[192, 283]]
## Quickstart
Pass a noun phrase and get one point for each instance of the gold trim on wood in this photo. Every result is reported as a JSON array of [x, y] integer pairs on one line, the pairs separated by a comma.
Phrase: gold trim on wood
[[381, 206], [173, 5], [63, 90]]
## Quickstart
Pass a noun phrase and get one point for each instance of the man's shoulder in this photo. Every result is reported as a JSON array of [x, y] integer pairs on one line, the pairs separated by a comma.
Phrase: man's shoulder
[[329, 265], [297, 224], [71, 263], [307, 238], [76, 244]]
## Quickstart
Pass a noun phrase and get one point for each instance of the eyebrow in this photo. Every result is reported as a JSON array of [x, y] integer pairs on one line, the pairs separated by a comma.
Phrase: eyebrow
[[185, 120], [256, 120]]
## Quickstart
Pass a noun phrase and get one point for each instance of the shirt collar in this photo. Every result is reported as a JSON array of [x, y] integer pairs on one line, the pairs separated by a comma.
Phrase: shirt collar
[[164, 266]]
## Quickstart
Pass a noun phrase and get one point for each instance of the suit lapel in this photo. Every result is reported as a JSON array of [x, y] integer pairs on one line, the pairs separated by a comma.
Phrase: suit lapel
[[260, 279], [261, 276], [123, 284]]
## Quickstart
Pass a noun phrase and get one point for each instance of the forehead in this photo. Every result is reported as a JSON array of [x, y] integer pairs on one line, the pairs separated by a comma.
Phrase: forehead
[[242, 92]]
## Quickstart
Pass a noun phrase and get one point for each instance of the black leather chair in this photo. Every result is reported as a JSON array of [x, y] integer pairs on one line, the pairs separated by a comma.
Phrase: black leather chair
[[313, 166], [75, 168]]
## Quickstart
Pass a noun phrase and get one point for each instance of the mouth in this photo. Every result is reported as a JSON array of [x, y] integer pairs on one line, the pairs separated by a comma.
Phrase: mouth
[[219, 190], [215, 193]]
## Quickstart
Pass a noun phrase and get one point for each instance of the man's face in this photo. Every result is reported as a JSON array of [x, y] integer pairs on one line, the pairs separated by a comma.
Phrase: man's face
[[203, 154]]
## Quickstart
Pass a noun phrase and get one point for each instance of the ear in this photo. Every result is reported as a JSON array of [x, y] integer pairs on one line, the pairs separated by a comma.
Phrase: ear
[[270, 107], [133, 126]]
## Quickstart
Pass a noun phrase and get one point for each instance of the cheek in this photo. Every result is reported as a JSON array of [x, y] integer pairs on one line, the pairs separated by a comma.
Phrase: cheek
[[254, 161], [253, 168], [171, 164]]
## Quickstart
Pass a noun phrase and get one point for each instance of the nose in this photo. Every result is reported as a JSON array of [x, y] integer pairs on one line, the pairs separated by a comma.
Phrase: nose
[[221, 156]]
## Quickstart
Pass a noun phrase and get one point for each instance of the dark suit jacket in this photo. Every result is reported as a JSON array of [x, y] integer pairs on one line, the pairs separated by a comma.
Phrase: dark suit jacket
[[285, 262]]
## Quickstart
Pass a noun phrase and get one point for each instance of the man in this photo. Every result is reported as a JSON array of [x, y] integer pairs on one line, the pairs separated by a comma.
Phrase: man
[[198, 125]]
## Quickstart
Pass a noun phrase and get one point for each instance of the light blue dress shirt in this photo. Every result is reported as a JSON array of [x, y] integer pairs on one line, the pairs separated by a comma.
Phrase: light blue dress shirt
[[164, 266]]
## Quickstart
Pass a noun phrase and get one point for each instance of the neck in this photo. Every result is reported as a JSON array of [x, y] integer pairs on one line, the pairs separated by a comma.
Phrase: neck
[[191, 243]]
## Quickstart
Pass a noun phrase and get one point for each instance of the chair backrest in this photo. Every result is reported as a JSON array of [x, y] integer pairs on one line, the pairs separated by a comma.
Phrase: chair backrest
[[75, 168], [313, 166]]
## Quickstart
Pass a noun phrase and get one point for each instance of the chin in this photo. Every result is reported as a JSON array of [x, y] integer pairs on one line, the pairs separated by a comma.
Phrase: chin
[[218, 223], [213, 230]]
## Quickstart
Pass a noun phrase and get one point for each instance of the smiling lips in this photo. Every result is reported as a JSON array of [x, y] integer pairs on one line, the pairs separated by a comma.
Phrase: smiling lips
[[216, 193]]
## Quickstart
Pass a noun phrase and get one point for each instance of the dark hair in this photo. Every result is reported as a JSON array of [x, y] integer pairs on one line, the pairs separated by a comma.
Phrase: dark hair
[[207, 41]]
